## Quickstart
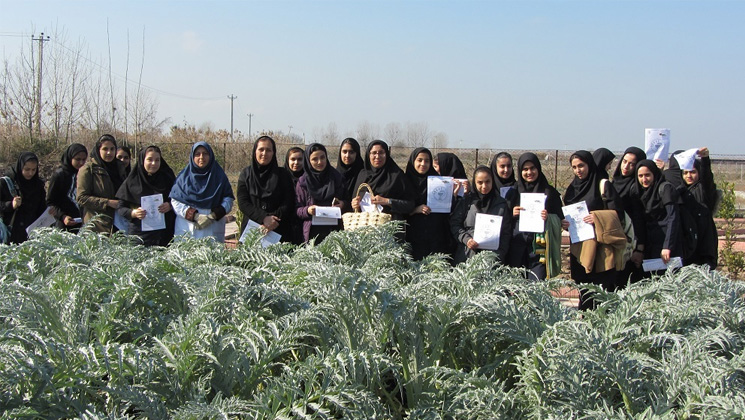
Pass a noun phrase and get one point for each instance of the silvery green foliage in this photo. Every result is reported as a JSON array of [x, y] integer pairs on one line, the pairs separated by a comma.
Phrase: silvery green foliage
[[102, 328]]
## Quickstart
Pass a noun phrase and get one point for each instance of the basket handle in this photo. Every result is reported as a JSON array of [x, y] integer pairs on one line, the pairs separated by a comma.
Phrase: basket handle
[[369, 189]]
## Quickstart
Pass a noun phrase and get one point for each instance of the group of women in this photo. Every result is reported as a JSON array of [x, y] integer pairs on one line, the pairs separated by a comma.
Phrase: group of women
[[106, 192]]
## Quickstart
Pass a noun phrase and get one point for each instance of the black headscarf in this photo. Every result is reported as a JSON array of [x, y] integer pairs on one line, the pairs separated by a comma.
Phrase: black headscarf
[[203, 188], [673, 174], [540, 185], [587, 189], [603, 157], [139, 183], [27, 186], [659, 194], [389, 180], [484, 200], [349, 173], [417, 180], [321, 185], [128, 151], [263, 180], [624, 184], [500, 182], [69, 154], [113, 168], [450, 165], [295, 175]]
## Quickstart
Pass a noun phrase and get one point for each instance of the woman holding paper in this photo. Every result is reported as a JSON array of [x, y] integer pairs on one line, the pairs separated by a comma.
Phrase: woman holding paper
[[481, 204], [201, 196], [265, 191], [22, 202], [349, 164], [389, 184], [428, 232], [661, 213], [504, 177], [98, 182], [585, 187], [63, 188], [531, 180], [150, 177], [449, 164], [603, 158], [319, 186]]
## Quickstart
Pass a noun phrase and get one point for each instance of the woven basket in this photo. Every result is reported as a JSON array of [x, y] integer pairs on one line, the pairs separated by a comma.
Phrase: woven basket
[[357, 219]]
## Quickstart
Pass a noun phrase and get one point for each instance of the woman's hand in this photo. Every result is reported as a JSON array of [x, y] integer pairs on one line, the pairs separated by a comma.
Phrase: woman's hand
[[113, 204], [356, 204], [271, 222], [516, 211], [544, 214], [590, 219], [665, 255], [422, 209], [565, 224], [379, 199], [703, 152], [17, 201], [312, 210], [637, 257], [660, 164], [472, 245], [165, 207], [69, 221], [139, 213]]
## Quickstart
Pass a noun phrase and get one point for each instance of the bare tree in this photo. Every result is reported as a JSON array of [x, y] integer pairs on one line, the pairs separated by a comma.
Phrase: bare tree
[[439, 141], [417, 134], [367, 132], [393, 134]]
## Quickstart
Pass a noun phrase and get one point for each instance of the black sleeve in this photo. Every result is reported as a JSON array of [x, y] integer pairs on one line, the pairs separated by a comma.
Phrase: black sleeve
[[459, 232], [286, 208], [636, 213], [613, 200], [245, 203], [672, 230], [6, 198], [707, 180], [553, 203], [125, 209], [505, 235]]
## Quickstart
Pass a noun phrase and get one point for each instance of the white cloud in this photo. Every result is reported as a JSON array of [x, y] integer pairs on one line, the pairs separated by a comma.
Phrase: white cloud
[[191, 42]]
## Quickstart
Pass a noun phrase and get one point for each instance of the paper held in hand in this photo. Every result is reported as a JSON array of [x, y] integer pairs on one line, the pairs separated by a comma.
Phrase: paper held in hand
[[686, 159], [270, 238], [530, 216], [326, 216], [439, 193], [45, 220], [578, 230], [656, 264], [657, 143], [367, 206], [154, 220], [487, 230]]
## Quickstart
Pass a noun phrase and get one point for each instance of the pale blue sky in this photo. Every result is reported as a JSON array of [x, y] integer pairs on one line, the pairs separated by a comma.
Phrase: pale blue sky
[[502, 74]]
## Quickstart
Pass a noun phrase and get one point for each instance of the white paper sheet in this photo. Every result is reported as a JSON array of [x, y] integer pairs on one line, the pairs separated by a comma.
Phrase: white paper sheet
[[270, 238], [530, 218], [439, 193], [154, 220], [463, 183], [686, 159], [45, 220], [656, 264], [657, 143], [486, 231], [578, 230], [326, 216], [366, 204], [121, 223]]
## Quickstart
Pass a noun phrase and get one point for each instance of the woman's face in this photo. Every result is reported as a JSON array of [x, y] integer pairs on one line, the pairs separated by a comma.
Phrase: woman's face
[[580, 168], [377, 156], [422, 163], [29, 169], [152, 162], [264, 152], [483, 182], [123, 156], [107, 152], [201, 157], [628, 164], [295, 161], [79, 160], [318, 160], [436, 165], [529, 172], [690, 177], [646, 177], [348, 155], [504, 167]]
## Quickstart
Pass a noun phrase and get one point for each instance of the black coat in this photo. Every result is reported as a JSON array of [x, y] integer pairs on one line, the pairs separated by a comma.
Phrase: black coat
[[280, 203], [463, 220], [32, 206]]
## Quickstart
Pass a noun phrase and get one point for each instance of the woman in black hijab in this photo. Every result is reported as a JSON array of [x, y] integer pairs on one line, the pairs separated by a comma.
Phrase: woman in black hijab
[[124, 155], [427, 232], [23, 202], [63, 188], [531, 180], [265, 191], [349, 164], [483, 198], [504, 177], [150, 176], [603, 159], [449, 164], [294, 163], [661, 212], [391, 189], [320, 185], [624, 181], [98, 182], [586, 187]]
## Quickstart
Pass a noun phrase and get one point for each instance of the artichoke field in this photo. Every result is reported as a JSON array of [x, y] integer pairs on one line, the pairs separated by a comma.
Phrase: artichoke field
[[102, 328]]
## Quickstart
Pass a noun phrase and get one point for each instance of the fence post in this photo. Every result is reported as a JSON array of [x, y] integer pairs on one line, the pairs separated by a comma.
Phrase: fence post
[[477, 158], [556, 167], [225, 154]]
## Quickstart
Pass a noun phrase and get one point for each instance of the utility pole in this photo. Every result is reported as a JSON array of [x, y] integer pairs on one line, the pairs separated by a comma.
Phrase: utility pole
[[249, 126], [288, 134], [41, 40], [232, 98]]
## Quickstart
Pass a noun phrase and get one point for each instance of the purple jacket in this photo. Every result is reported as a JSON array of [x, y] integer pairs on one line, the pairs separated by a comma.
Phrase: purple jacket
[[303, 200]]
